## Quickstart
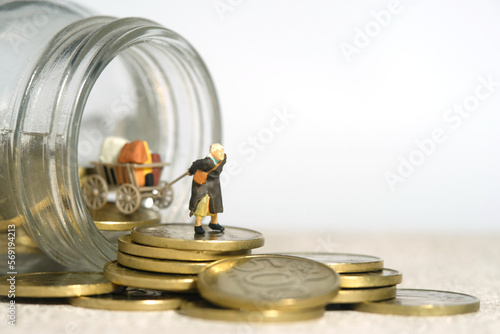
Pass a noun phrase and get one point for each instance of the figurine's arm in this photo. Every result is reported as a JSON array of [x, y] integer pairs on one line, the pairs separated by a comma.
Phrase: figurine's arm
[[192, 169], [198, 164]]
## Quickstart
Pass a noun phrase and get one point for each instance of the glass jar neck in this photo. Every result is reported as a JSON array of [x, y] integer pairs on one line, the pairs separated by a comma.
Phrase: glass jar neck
[[177, 89]]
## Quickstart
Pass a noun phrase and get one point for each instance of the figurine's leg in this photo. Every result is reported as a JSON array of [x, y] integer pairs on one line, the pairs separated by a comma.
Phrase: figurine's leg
[[198, 229], [214, 219], [197, 220], [201, 211]]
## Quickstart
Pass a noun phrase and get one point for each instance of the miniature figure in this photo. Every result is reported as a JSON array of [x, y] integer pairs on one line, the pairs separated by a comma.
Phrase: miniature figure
[[206, 195]]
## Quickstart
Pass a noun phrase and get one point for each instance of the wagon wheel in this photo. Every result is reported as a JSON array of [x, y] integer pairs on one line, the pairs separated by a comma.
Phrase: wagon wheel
[[128, 199], [95, 192], [165, 197]]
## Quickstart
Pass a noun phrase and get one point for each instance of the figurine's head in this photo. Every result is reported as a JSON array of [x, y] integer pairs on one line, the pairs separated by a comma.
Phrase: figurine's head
[[217, 151]]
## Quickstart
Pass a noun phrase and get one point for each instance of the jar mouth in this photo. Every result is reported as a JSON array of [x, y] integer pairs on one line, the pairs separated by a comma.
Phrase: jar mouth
[[178, 89]]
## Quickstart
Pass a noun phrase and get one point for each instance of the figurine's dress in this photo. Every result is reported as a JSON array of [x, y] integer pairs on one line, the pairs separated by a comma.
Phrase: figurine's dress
[[211, 187]]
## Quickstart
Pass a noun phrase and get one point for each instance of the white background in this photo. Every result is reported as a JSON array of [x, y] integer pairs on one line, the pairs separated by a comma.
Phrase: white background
[[359, 84]]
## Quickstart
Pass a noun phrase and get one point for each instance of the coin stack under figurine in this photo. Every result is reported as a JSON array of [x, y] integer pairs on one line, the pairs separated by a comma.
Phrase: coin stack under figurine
[[169, 256]]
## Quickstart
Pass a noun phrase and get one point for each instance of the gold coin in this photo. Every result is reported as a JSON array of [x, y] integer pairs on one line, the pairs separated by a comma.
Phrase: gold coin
[[160, 265], [121, 275], [131, 299], [110, 218], [204, 310], [126, 245], [372, 279], [345, 262], [260, 282], [347, 296], [56, 284], [423, 303], [182, 236]]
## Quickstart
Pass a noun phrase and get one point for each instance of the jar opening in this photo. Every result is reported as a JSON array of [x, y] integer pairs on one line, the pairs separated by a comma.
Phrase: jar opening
[[106, 77]]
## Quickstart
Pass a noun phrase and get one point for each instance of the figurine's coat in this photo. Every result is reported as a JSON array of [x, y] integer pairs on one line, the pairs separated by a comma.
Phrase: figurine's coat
[[211, 187]]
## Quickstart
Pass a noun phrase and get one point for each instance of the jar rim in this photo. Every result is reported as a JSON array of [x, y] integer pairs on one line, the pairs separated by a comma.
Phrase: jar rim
[[74, 60]]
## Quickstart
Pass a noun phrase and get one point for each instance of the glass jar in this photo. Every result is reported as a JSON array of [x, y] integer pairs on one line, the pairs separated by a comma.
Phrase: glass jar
[[69, 79]]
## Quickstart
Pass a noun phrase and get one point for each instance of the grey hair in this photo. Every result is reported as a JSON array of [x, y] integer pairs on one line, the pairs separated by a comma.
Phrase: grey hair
[[215, 147]]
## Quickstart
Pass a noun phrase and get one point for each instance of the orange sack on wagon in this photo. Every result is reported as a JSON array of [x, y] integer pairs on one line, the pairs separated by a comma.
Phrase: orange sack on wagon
[[136, 152]]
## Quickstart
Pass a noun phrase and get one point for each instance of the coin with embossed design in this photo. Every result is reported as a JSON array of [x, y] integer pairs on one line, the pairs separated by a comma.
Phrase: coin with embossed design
[[344, 262], [56, 284], [268, 282], [126, 245], [204, 310], [182, 236], [423, 303]]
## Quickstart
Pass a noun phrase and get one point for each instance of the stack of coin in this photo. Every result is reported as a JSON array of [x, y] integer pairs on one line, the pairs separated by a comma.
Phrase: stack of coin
[[366, 286], [169, 256], [362, 277]]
